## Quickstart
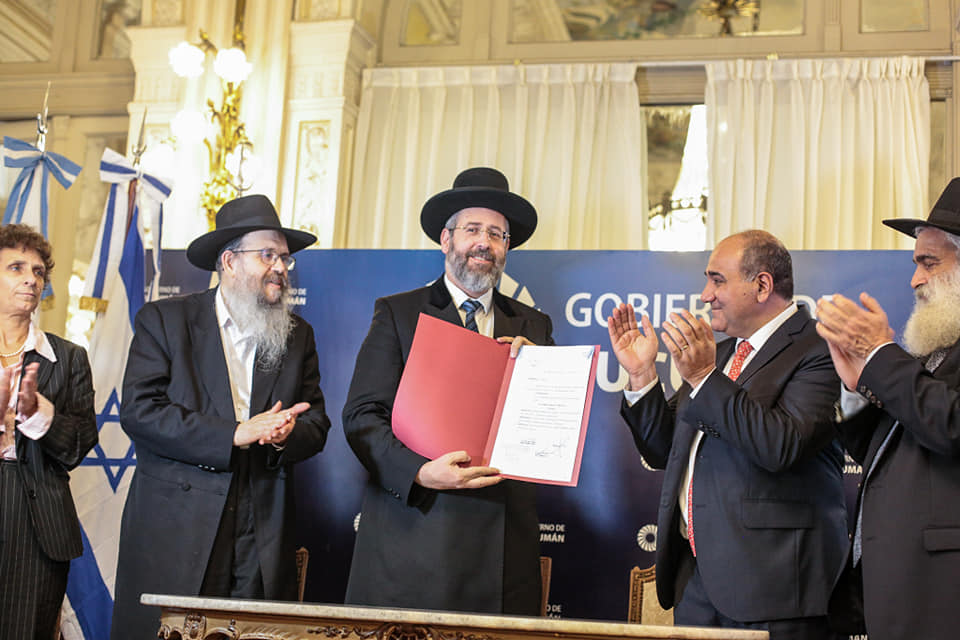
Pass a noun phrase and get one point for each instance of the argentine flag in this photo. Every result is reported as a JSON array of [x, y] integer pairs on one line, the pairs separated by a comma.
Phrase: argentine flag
[[115, 288], [29, 197]]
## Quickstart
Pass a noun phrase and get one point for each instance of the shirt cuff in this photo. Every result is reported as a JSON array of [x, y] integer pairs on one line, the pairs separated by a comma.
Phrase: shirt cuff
[[851, 402], [37, 425], [632, 397], [873, 353]]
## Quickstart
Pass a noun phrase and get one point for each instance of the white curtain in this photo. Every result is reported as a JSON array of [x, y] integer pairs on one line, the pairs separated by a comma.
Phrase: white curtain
[[818, 152], [570, 138]]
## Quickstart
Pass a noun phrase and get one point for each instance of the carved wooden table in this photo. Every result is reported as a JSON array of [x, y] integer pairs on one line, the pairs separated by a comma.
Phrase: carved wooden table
[[185, 618]]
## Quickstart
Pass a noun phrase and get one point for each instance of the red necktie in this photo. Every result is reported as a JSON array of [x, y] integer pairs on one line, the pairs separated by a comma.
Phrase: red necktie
[[743, 350]]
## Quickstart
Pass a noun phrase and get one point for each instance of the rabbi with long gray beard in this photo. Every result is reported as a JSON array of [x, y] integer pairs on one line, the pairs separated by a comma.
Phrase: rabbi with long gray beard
[[221, 397], [899, 417]]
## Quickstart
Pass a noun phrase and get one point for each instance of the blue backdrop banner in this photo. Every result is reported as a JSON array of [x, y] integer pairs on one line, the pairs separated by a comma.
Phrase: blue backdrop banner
[[597, 531]]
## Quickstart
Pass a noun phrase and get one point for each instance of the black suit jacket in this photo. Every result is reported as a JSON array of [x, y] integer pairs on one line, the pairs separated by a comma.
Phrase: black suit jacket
[[177, 408], [456, 550], [43, 464], [911, 500], [769, 509]]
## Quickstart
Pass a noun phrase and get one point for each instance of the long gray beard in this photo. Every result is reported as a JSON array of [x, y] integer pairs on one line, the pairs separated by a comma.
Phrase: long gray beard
[[269, 324], [934, 323]]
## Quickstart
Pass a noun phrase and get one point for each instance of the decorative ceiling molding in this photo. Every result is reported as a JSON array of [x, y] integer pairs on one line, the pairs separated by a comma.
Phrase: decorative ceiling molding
[[26, 32]]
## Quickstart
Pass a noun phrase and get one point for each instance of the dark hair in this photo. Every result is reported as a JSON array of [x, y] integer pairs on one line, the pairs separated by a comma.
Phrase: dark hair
[[24, 237], [233, 245], [763, 251], [451, 222]]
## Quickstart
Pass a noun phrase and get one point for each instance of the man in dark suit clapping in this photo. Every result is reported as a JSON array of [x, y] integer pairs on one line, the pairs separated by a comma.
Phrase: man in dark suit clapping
[[437, 534], [752, 519], [900, 419]]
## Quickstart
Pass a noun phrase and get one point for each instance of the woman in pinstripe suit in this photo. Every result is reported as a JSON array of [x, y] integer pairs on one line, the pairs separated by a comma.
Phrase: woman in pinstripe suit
[[48, 428]]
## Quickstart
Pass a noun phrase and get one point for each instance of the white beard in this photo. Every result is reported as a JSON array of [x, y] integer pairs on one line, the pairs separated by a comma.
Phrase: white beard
[[935, 321]]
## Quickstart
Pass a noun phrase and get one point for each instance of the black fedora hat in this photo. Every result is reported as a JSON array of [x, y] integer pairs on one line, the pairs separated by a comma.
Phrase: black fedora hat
[[945, 214], [480, 187], [234, 219]]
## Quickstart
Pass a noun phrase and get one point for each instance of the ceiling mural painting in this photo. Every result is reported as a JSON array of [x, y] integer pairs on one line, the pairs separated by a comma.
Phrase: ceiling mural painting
[[593, 20]]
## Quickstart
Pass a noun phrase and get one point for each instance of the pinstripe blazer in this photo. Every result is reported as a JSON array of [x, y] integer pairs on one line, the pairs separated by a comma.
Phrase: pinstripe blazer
[[44, 464]]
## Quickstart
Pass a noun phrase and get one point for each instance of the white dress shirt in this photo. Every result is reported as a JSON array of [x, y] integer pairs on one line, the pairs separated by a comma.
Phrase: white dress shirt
[[240, 351], [757, 340], [483, 317]]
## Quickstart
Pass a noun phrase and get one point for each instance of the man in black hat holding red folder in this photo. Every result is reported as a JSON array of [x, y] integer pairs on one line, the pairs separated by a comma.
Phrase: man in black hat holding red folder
[[899, 417], [439, 534], [221, 396]]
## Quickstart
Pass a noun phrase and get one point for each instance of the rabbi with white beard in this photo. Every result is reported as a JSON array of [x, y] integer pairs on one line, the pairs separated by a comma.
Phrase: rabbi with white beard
[[899, 417], [221, 397]]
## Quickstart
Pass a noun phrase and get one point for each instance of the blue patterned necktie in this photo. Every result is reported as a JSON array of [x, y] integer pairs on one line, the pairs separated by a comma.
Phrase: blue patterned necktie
[[470, 306]]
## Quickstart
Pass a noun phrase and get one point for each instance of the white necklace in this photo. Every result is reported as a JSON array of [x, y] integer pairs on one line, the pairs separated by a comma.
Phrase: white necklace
[[15, 353]]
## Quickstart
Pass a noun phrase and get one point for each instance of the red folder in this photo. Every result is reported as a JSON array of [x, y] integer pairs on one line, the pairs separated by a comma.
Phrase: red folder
[[452, 391]]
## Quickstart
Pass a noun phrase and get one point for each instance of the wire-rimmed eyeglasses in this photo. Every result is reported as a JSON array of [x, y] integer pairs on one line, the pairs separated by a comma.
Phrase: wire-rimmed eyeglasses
[[269, 257], [473, 232]]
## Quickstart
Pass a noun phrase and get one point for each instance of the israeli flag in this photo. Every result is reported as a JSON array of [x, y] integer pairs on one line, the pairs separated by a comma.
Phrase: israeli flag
[[116, 288]]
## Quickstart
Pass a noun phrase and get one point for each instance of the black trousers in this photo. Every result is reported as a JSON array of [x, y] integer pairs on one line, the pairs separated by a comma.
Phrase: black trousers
[[234, 566], [32, 585]]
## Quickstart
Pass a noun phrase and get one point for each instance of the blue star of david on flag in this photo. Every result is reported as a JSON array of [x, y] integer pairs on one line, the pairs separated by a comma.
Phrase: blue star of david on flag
[[113, 467]]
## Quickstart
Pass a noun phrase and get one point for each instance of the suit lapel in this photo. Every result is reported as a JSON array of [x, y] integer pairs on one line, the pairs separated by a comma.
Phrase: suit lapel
[[43, 372], [504, 322], [949, 371], [263, 383], [780, 340], [440, 304], [724, 351], [209, 346]]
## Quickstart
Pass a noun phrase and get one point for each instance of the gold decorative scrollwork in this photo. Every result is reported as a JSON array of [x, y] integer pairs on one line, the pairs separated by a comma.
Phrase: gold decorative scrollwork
[[224, 633], [194, 626], [346, 632], [396, 631]]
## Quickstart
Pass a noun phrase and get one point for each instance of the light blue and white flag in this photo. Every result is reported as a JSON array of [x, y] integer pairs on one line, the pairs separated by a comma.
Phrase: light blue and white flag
[[116, 283], [27, 203]]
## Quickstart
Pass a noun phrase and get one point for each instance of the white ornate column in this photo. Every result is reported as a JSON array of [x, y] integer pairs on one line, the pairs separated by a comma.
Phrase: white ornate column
[[326, 62]]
